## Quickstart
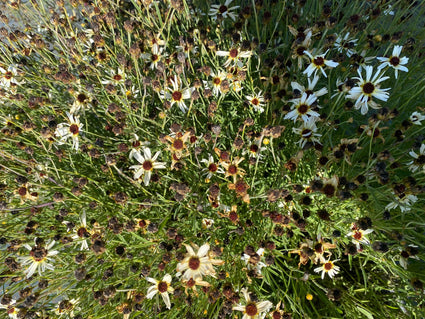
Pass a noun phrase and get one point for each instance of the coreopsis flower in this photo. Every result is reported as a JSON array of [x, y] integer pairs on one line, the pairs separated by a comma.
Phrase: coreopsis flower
[[66, 307], [163, 287], [307, 132], [394, 61], [11, 310], [318, 62], [222, 11], [232, 168], [328, 267], [300, 89], [305, 252], [419, 159], [254, 261], [302, 107], [177, 94], [81, 232], [299, 49], [72, 130], [154, 57], [417, 118], [178, 147], [137, 146], [82, 101], [207, 222], [148, 164], [212, 168], [403, 201], [9, 78], [367, 89], [38, 259], [345, 44], [197, 264], [115, 77], [321, 250], [256, 101], [216, 81], [234, 56], [358, 236], [252, 309]]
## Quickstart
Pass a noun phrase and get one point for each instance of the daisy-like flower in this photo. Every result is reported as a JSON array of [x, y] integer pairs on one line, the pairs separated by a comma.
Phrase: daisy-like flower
[[394, 61], [148, 164], [11, 310], [368, 88], [252, 309], [71, 130], [299, 49], [207, 222], [254, 261], [217, 79], [8, 78], [38, 258], [212, 168], [419, 159], [197, 264], [416, 118], [307, 132], [137, 145], [403, 201], [81, 232], [300, 89], [321, 249], [177, 94], [82, 101], [328, 267], [222, 11], [318, 62], [66, 307], [234, 56], [257, 101], [232, 168], [358, 236], [163, 287], [302, 107], [115, 77], [345, 44], [154, 57]]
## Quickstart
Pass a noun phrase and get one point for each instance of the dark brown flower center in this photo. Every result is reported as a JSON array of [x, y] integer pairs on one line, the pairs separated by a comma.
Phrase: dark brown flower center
[[240, 187], [251, 309], [222, 9], [233, 216], [232, 169], [300, 50], [421, 159], [22, 191], [328, 266], [394, 61], [306, 133], [38, 253], [319, 61], [177, 96], [255, 101], [253, 148], [217, 81], [303, 108], [233, 53], [8, 75], [191, 282], [117, 77], [318, 248], [194, 263], [212, 167], [81, 232], [155, 57], [368, 88], [147, 165], [74, 129], [162, 286], [178, 144], [357, 235], [309, 92], [81, 98]]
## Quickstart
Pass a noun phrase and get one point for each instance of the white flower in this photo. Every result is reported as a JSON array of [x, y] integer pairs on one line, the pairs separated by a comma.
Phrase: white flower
[[69, 130], [207, 222], [115, 77], [416, 118], [177, 95], [318, 62], [196, 265], [223, 11], [252, 309], [257, 101], [163, 287], [403, 201], [148, 165], [217, 79], [212, 168], [394, 61], [136, 145], [10, 309], [419, 159], [8, 78], [154, 57], [234, 56], [81, 232], [38, 259], [66, 307], [310, 88], [302, 107], [328, 267], [307, 132], [358, 236], [257, 263], [368, 88], [345, 43], [81, 102]]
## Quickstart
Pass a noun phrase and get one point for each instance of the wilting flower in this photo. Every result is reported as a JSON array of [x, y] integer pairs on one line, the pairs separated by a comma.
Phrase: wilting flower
[[163, 287], [81, 232], [345, 43], [416, 118], [69, 130], [419, 159], [223, 11], [254, 261], [302, 107], [394, 61], [328, 267], [309, 90], [257, 101], [358, 236], [148, 162], [368, 88], [403, 201], [115, 77], [66, 307], [252, 309], [307, 132], [38, 258], [318, 62], [197, 264], [234, 56], [82, 101]]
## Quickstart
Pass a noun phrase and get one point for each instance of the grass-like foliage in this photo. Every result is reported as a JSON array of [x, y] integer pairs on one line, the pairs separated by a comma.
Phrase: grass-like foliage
[[206, 159]]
